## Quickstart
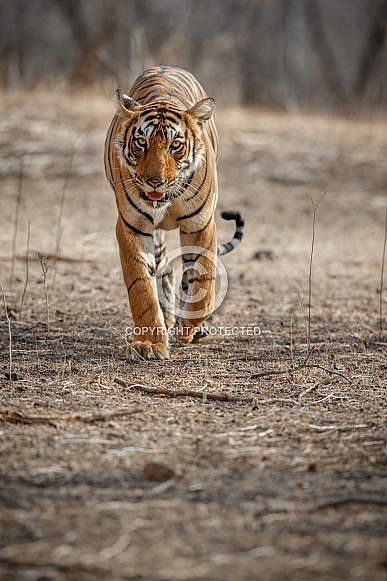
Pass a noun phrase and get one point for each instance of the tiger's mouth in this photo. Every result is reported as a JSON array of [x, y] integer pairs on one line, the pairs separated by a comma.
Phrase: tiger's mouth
[[155, 198]]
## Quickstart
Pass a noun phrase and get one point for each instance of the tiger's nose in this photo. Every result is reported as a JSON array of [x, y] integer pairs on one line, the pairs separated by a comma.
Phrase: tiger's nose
[[155, 184]]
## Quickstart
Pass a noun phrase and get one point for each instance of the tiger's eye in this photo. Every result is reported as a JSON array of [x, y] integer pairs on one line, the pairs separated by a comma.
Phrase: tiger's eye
[[176, 145], [140, 142]]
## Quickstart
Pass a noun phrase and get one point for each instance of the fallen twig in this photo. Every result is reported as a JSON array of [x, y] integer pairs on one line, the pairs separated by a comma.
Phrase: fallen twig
[[328, 370], [22, 417], [350, 500], [203, 395], [302, 366]]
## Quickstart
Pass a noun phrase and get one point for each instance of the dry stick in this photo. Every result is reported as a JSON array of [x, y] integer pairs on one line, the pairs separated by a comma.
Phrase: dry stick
[[351, 499], [305, 315], [9, 334], [382, 279], [27, 270], [184, 393], [302, 366], [16, 220], [18, 416], [45, 270], [315, 206]]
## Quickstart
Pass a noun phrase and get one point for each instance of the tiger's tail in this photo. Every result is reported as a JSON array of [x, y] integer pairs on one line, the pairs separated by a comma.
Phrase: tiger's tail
[[238, 235]]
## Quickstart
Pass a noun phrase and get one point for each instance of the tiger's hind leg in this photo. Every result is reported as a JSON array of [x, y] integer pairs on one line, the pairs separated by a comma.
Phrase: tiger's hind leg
[[165, 279], [201, 331]]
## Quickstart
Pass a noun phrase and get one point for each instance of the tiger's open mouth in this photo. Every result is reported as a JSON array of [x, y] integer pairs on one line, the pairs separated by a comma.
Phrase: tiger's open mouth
[[155, 197]]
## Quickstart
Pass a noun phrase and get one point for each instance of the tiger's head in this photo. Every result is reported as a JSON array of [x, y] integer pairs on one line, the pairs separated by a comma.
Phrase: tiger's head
[[161, 145]]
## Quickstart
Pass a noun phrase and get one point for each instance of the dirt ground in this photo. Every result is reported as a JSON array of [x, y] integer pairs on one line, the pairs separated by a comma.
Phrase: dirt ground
[[287, 481]]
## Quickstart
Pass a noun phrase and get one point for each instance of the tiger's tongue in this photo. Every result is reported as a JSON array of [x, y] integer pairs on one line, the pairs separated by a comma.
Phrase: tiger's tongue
[[156, 196]]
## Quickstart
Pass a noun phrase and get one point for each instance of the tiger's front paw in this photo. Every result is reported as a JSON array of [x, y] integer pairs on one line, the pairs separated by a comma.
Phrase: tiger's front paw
[[139, 350]]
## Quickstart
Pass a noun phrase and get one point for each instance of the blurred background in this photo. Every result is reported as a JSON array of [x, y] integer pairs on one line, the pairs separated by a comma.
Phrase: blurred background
[[313, 55], [322, 62]]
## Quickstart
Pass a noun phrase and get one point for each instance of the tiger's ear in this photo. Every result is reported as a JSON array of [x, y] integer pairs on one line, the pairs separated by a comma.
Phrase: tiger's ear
[[126, 103], [203, 110]]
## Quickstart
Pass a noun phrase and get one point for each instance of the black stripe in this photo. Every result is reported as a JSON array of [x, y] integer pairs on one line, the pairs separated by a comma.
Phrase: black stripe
[[133, 228], [201, 279], [174, 84], [149, 118], [172, 119], [150, 97], [201, 230], [198, 189], [199, 209], [126, 135], [133, 283], [145, 312], [186, 84], [151, 85], [182, 89], [189, 181], [225, 248], [109, 147], [190, 260]]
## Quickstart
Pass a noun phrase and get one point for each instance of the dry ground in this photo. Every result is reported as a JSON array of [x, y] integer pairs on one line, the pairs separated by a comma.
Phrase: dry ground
[[99, 481]]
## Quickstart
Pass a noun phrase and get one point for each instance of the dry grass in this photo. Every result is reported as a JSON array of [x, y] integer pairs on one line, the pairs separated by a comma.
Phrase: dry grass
[[284, 481]]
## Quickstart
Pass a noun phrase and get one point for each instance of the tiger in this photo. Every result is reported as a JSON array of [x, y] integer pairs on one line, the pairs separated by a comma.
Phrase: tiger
[[161, 152]]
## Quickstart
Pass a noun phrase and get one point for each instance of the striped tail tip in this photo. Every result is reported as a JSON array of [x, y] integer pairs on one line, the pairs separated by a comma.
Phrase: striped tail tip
[[238, 235]]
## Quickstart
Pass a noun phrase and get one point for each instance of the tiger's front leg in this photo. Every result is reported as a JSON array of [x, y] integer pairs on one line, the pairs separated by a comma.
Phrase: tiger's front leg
[[199, 258], [139, 270]]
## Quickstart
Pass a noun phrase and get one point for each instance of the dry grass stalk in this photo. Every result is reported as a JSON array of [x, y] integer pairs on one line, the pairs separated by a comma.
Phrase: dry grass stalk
[[9, 334], [45, 270], [304, 365], [16, 219], [27, 270], [315, 206], [382, 279]]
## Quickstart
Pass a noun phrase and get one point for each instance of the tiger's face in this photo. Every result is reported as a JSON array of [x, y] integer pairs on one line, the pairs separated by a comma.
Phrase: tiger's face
[[161, 146]]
